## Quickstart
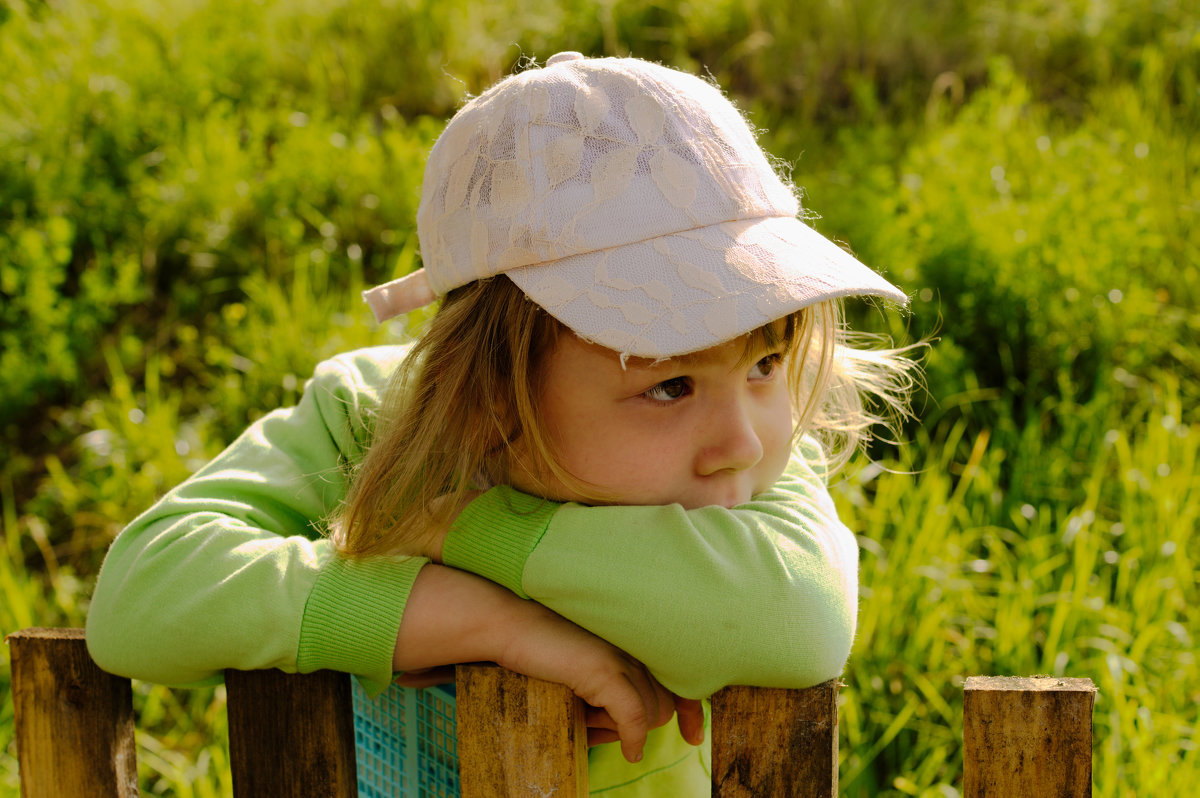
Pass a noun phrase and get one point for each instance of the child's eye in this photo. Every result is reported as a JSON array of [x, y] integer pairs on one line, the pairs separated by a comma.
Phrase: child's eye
[[669, 390], [766, 367]]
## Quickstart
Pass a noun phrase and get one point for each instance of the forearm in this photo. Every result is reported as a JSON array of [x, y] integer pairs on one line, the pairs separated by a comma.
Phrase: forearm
[[181, 599], [728, 598], [452, 617], [233, 569], [763, 594]]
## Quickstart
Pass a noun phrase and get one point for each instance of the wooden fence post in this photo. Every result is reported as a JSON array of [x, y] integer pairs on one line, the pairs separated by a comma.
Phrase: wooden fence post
[[1027, 736], [518, 736], [73, 722], [769, 742], [291, 734]]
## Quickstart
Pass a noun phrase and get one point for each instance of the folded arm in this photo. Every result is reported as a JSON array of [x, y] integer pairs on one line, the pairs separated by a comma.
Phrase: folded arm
[[231, 569], [764, 594]]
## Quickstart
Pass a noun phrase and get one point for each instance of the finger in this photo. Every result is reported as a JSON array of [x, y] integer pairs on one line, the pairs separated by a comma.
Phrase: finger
[[598, 718], [630, 715], [691, 719], [601, 736], [658, 701], [666, 704]]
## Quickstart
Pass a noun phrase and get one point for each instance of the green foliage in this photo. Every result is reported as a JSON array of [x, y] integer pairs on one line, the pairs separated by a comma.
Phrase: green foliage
[[146, 173], [193, 193], [1055, 244], [1096, 579]]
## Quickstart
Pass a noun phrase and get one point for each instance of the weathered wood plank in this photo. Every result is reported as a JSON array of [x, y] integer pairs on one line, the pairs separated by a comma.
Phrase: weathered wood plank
[[769, 742], [291, 734], [1027, 736], [73, 722], [519, 736]]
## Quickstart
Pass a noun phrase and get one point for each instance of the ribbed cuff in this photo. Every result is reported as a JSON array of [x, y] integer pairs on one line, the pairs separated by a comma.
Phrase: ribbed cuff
[[495, 534], [352, 617]]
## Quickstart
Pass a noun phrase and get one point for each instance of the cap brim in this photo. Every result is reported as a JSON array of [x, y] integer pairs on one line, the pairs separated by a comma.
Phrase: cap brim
[[689, 291]]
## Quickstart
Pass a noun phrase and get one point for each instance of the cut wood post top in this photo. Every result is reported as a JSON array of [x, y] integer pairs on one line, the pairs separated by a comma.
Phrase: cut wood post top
[[45, 633], [519, 736], [769, 741], [1029, 684], [73, 722], [1027, 735]]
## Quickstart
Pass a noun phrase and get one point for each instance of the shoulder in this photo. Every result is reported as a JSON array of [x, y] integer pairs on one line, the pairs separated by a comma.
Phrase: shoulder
[[348, 388], [360, 376], [808, 461], [361, 370]]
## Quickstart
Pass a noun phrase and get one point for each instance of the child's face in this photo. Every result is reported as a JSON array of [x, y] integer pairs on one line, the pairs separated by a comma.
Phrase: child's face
[[702, 429]]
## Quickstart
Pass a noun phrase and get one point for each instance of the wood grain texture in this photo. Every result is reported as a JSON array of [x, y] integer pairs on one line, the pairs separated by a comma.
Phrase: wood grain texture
[[1027, 736], [73, 722], [769, 742], [291, 734], [519, 736]]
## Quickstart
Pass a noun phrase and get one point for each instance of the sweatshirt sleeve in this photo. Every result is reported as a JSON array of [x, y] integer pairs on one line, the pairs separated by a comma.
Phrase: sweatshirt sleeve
[[232, 568], [764, 594]]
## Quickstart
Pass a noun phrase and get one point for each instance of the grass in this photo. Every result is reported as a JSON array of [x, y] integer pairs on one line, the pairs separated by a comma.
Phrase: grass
[[192, 193], [1097, 585]]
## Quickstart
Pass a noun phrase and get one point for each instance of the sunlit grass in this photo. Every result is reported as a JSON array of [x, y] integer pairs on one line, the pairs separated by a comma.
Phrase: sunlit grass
[[1097, 586]]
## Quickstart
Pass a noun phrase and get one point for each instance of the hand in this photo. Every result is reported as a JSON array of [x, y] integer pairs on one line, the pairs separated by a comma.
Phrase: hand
[[601, 728], [625, 700], [689, 711], [452, 616]]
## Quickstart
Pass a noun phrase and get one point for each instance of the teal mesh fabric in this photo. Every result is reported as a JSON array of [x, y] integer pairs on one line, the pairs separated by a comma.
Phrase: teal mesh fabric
[[405, 743]]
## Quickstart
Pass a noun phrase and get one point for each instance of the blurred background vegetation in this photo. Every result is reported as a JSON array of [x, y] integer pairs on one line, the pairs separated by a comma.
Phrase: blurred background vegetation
[[192, 193]]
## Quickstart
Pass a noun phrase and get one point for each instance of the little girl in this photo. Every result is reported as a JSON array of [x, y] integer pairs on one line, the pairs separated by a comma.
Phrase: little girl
[[622, 410]]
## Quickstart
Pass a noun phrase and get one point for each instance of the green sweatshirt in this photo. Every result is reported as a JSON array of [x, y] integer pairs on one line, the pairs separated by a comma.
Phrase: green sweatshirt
[[232, 569]]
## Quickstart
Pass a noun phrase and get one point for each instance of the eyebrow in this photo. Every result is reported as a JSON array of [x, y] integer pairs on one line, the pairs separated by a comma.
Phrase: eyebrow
[[648, 363], [758, 346]]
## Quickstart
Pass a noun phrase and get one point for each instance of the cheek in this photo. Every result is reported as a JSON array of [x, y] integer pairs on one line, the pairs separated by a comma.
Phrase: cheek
[[608, 450], [565, 424], [596, 448], [780, 426], [580, 435]]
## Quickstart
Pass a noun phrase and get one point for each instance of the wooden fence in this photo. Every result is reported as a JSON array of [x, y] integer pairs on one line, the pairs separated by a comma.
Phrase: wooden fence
[[293, 734]]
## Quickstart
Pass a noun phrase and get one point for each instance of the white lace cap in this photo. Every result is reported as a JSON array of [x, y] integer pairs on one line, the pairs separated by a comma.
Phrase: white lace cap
[[629, 200]]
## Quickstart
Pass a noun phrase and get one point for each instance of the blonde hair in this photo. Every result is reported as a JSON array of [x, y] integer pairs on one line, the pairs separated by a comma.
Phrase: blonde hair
[[467, 392]]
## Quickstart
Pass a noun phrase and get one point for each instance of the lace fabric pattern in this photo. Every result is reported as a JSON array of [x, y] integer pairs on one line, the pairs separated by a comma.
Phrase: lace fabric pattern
[[629, 200]]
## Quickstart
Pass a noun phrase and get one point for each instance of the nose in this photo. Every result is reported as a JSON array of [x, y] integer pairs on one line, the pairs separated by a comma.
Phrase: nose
[[730, 439]]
